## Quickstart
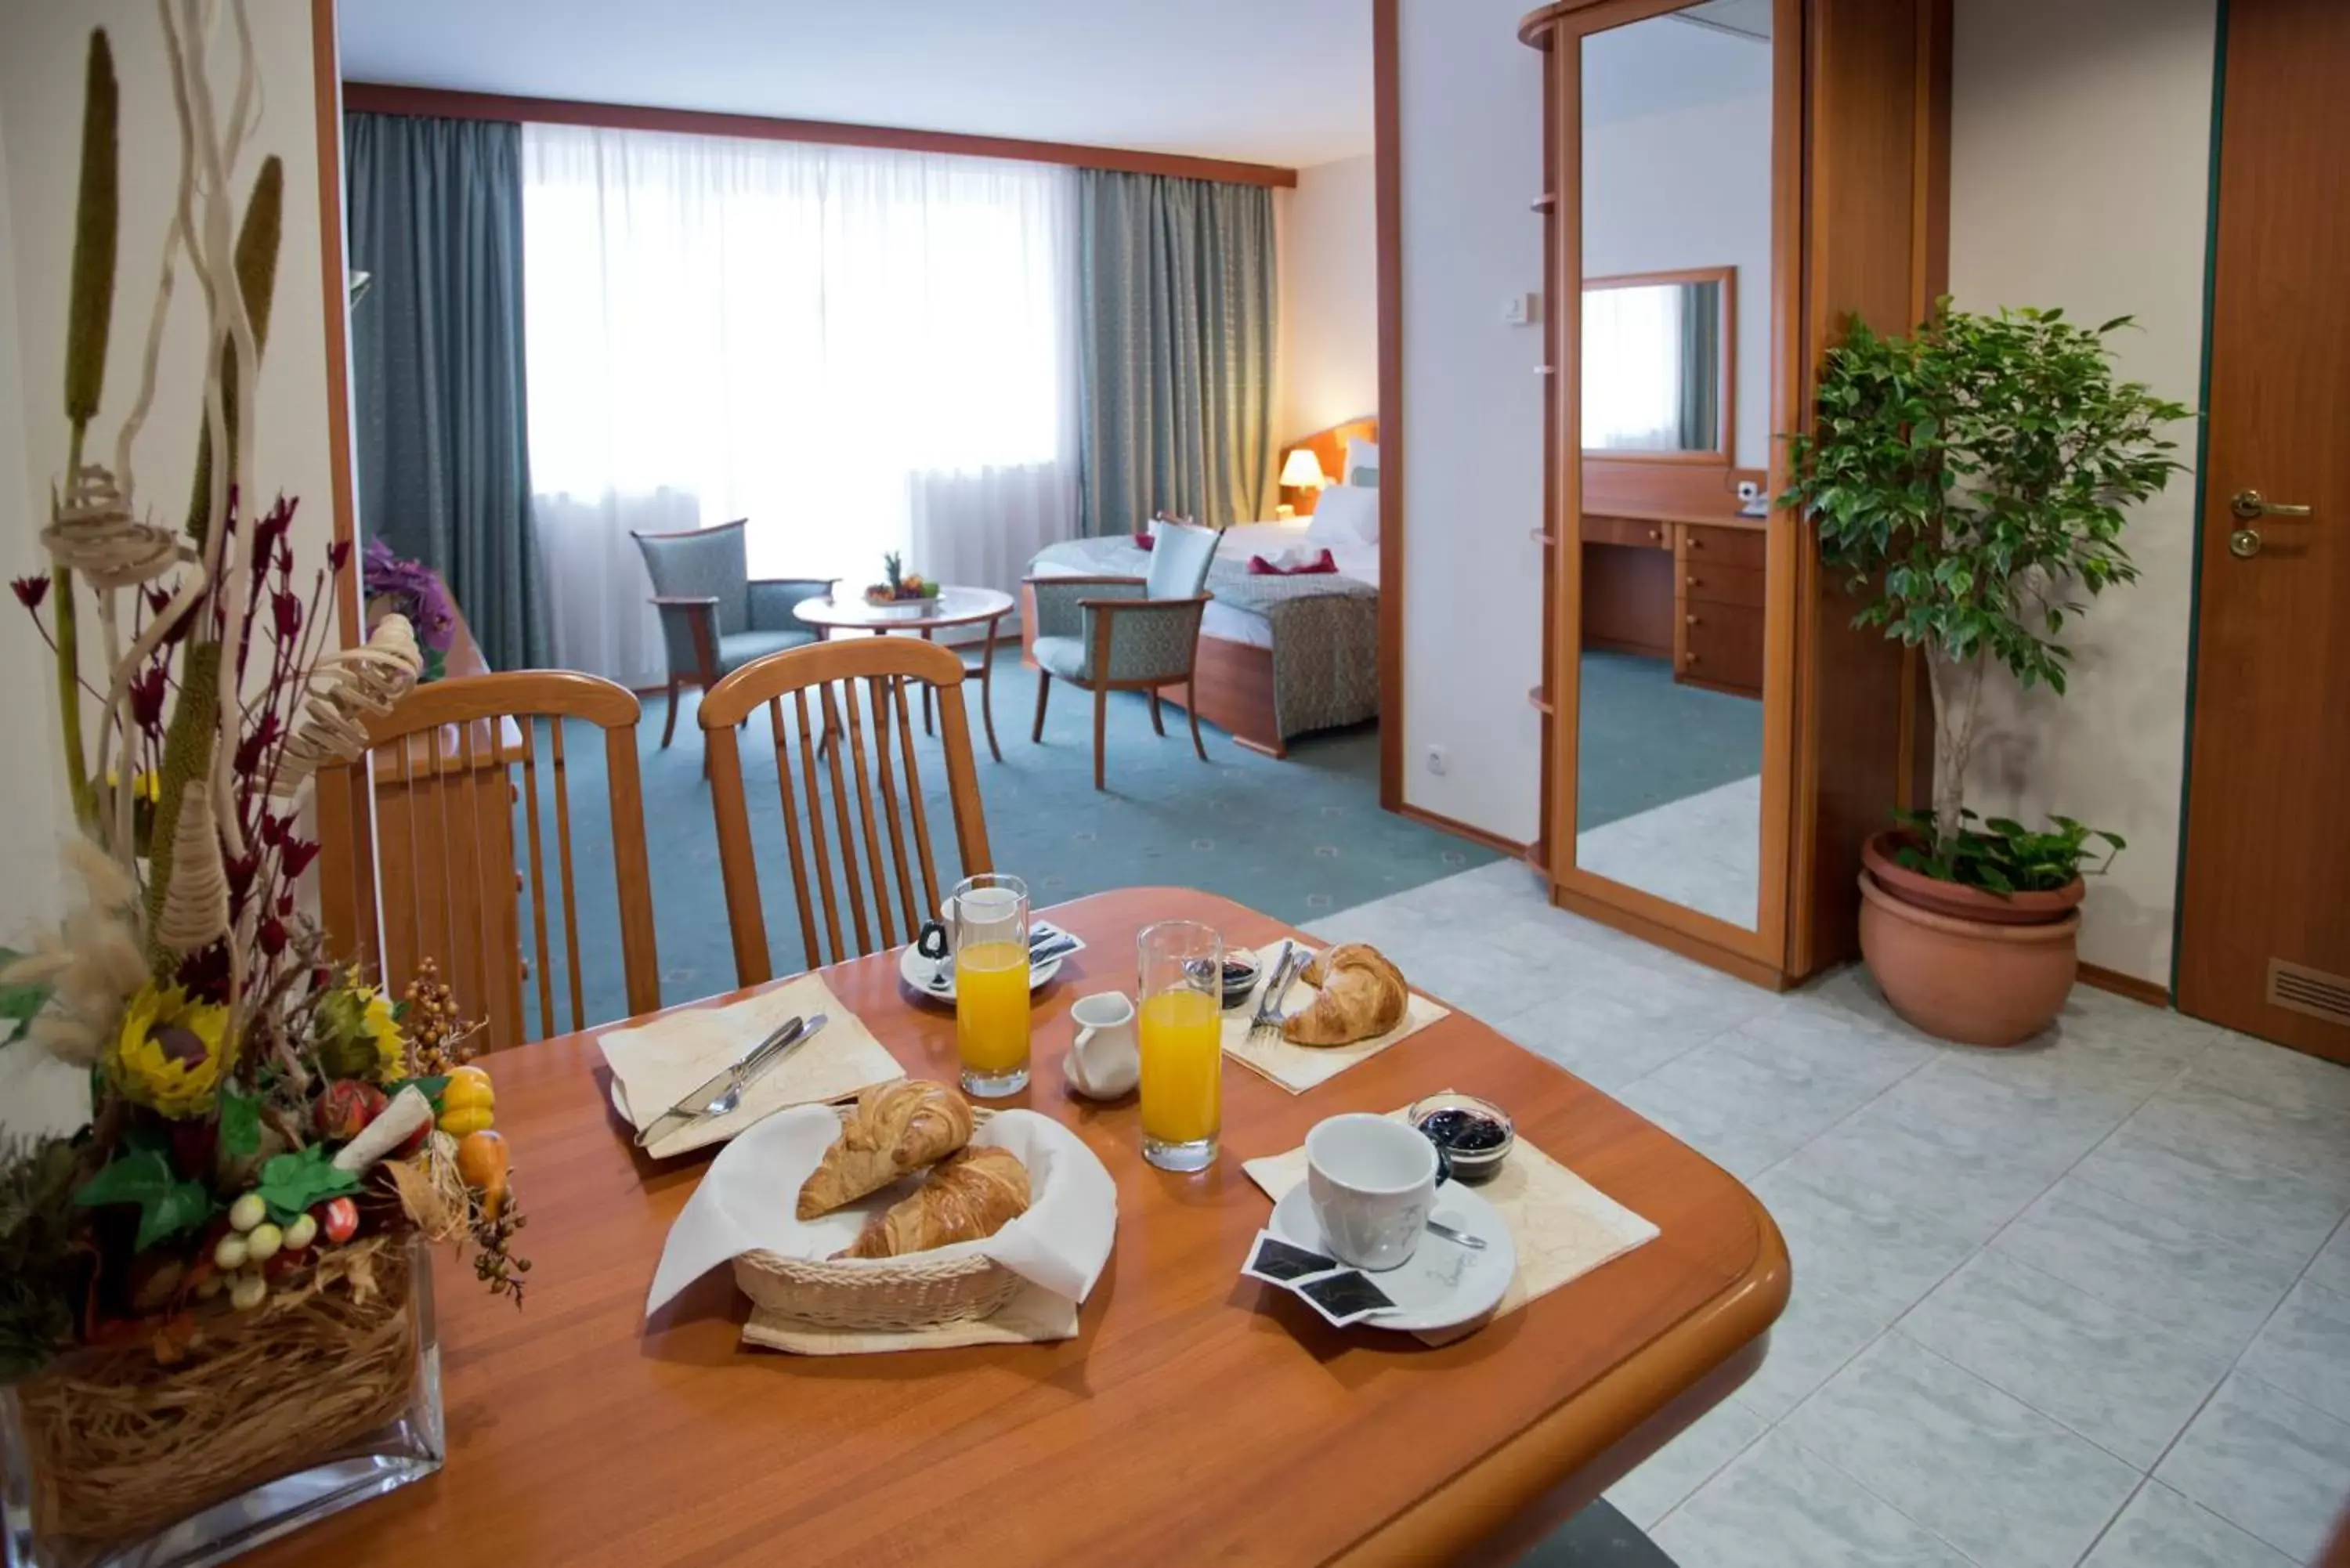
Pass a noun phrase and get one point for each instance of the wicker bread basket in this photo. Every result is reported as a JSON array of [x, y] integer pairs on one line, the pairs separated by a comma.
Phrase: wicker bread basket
[[878, 1295]]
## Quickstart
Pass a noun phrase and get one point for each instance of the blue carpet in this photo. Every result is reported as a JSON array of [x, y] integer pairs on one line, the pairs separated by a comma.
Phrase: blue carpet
[[1646, 741], [1297, 838]]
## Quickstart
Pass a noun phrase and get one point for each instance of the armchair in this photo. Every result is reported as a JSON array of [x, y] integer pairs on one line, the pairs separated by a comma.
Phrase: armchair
[[714, 618], [1106, 634]]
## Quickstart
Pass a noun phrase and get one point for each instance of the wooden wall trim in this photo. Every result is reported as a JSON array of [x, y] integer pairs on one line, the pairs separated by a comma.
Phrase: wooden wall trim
[[2154, 993], [1458, 829], [1386, 178], [387, 97]]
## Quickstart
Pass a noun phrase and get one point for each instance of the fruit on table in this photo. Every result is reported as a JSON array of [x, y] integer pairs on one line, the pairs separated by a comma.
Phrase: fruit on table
[[247, 1290], [482, 1161], [246, 1212], [340, 1219], [230, 1251], [347, 1107], [301, 1233], [261, 1244], [468, 1102]]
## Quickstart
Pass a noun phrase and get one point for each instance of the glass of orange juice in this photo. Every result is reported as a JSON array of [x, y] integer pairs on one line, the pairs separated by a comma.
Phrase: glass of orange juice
[[989, 921], [1180, 1032]]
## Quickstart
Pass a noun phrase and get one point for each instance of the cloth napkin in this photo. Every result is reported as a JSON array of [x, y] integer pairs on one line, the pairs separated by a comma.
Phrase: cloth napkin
[[1298, 1068], [656, 1065], [1291, 564], [1563, 1225], [745, 1204]]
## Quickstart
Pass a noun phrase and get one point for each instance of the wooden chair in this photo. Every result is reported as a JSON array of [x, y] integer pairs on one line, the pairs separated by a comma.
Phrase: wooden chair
[[449, 765], [847, 696], [1127, 634], [715, 617]]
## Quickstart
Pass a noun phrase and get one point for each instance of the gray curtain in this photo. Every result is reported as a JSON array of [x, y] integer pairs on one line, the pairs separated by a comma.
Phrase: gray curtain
[[1702, 367], [1175, 348], [442, 415]]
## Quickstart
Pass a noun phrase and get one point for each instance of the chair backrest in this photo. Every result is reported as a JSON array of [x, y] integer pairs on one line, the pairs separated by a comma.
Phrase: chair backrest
[[1181, 555], [704, 563], [850, 696], [453, 767]]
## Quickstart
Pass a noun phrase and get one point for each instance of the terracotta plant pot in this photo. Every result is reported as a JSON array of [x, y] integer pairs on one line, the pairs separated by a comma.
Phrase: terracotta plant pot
[[1921, 891], [1977, 982]]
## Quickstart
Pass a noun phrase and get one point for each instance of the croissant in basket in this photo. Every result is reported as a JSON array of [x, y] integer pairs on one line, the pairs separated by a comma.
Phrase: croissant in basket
[[1362, 996], [973, 1194], [895, 1128]]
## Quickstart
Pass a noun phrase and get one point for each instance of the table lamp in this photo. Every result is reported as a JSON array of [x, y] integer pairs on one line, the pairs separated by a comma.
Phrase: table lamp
[[1302, 471]]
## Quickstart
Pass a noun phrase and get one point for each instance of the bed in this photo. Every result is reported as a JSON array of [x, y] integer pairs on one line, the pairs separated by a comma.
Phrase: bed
[[1279, 656]]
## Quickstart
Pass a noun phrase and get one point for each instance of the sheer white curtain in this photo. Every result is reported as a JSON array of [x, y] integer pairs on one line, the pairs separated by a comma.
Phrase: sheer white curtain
[[860, 351], [1631, 369]]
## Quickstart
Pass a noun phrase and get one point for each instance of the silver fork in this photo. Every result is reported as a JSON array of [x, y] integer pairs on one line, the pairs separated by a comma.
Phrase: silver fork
[[1276, 986]]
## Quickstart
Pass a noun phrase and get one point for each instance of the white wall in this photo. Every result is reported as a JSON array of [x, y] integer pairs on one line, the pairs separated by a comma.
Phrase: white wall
[[42, 50], [1689, 184], [1470, 113], [2080, 177], [1329, 299]]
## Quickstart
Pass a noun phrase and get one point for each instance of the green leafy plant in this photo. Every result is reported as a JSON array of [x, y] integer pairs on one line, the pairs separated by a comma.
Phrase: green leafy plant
[[1972, 481], [40, 1264], [2002, 855]]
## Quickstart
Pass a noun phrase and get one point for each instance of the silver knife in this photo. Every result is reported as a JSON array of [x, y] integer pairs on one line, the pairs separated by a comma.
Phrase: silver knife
[[731, 1079]]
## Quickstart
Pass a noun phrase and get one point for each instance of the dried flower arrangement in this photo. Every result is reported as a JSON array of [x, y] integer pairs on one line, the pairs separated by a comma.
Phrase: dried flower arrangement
[[214, 1277]]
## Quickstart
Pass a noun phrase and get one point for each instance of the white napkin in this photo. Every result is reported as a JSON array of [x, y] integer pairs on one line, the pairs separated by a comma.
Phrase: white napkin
[[656, 1065], [747, 1202], [1298, 1068]]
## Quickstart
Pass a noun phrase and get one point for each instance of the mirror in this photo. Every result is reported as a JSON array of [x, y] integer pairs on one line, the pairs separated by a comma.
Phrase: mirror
[[1674, 408], [1656, 362]]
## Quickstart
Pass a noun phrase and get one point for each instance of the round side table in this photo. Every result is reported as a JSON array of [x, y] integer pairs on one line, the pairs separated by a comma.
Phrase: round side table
[[952, 607]]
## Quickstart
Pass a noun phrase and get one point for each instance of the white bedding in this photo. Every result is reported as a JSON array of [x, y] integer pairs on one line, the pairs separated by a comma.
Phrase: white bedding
[[1360, 562]]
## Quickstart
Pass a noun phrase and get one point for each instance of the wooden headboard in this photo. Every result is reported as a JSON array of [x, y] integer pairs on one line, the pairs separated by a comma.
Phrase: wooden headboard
[[1329, 448]]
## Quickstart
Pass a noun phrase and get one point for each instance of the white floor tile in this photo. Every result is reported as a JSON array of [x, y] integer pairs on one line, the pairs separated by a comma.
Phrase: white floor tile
[[1781, 1506], [2253, 1205], [2306, 1349], [1686, 1463], [2265, 1462], [2160, 1528]]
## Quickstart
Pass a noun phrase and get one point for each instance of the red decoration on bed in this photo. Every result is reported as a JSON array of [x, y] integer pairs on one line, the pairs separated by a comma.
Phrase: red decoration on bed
[[1260, 567], [1144, 539]]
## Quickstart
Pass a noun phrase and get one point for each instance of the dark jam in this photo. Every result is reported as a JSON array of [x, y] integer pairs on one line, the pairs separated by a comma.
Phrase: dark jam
[[1465, 1130]]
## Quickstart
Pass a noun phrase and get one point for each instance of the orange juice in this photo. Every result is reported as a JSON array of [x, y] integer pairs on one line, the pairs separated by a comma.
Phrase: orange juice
[[1182, 1046], [992, 1007]]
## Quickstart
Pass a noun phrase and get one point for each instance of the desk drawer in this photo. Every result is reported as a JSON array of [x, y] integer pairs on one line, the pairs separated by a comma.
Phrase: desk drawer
[[1743, 548], [1722, 646], [1630, 531], [1711, 582]]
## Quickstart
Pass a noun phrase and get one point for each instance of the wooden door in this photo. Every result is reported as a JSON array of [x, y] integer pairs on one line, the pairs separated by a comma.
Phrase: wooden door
[[2264, 939]]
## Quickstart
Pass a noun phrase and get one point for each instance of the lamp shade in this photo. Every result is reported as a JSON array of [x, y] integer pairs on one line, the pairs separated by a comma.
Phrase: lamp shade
[[1303, 470]]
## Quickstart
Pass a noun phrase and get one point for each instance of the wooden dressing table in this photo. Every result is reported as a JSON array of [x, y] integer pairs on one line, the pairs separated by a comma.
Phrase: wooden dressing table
[[1692, 594]]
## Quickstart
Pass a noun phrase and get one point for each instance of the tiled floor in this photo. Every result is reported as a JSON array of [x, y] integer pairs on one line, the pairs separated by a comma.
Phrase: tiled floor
[[2085, 1302], [1703, 851]]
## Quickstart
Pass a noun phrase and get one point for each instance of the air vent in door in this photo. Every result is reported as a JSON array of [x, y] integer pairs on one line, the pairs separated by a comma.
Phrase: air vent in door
[[2302, 989]]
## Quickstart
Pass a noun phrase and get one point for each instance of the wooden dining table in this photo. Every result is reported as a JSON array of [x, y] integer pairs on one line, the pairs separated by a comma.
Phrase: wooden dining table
[[1199, 1417]]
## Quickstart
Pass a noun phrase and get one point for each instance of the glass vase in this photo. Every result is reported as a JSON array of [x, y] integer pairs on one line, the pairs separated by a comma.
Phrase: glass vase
[[317, 1399]]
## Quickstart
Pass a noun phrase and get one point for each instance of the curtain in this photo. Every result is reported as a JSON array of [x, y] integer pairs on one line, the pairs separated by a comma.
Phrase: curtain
[[1701, 370], [861, 351], [437, 364], [1632, 368], [1176, 290]]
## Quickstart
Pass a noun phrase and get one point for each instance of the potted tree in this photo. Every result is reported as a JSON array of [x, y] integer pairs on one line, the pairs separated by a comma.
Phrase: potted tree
[[1973, 481]]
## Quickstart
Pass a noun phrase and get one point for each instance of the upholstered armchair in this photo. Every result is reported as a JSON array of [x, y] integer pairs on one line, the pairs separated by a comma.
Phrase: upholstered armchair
[[1127, 634], [714, 618]]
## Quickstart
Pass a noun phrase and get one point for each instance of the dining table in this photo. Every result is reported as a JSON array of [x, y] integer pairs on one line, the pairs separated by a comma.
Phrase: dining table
[[1198, 1417]]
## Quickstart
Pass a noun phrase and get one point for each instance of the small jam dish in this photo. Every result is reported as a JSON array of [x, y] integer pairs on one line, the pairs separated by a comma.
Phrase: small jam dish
[[1475, 1135], [1240, 978]]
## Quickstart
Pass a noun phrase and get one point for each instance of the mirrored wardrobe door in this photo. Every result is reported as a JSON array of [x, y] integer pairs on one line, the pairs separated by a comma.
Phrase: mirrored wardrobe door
[[1670, 353]]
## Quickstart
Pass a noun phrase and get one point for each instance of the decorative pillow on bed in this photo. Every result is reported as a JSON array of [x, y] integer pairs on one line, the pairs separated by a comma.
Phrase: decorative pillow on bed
[[1345, 515], [1291, 564], [1362, 464]]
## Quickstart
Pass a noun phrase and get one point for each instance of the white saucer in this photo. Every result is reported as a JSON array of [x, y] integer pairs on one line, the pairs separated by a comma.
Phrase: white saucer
[[916, 971], [1445, 1283]]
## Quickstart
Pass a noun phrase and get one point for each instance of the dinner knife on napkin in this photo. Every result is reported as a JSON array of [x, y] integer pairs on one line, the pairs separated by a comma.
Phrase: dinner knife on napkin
[[729, 1082]]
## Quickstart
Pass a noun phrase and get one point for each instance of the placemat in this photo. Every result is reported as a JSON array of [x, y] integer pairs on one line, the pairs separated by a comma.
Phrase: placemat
[[1298, 1068], [1034, 1317], [656, 1065], [1563, 1225]]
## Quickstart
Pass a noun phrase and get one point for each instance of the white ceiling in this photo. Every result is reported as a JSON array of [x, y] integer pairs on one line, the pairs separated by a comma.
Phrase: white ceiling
[[1271, 81]]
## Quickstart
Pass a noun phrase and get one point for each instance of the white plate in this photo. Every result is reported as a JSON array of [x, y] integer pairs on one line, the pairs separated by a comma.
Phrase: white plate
[[1444, 1283], [916, 971]]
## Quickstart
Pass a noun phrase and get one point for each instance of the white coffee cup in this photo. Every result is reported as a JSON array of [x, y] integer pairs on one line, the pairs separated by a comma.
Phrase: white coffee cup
[[1105, 1060], [1372, 1182]]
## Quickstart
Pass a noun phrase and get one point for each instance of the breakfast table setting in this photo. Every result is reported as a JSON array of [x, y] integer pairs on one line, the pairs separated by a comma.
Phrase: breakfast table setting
[[1139, 1227]]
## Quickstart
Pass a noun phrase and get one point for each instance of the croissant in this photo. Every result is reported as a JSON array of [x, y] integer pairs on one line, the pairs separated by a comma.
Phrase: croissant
[[975, 1193], [1362, 996], [894, 1128]]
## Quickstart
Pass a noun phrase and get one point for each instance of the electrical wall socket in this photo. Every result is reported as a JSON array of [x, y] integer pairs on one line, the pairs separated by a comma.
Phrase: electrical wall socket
[[1519, 309], [1438, 759]]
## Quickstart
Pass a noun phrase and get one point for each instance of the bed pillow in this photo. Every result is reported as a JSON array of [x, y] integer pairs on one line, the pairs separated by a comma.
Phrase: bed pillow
[[1347, 514], [1362, 464]]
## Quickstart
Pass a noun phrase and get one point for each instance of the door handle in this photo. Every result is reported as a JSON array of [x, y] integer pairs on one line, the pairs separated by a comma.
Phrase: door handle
[[2249, 504]]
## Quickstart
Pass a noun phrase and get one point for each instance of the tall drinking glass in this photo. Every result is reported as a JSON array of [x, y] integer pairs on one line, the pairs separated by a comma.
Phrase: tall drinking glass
[[1180, 1031], [990, 927]]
